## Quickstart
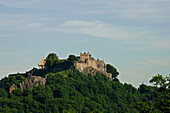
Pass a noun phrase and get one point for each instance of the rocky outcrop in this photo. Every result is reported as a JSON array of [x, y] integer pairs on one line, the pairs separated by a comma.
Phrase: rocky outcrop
[[92, 71], [32, 81], [12, 88]]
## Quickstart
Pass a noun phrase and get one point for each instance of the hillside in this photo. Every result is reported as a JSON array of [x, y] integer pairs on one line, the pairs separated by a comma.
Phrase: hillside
[[59, 88]]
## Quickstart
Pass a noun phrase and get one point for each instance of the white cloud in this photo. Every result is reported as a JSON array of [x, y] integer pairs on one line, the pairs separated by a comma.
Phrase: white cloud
[[151, 10], [100, 29], [156, 62], [163, 44], [20, 3], [156, 42], [81, 23], [35, 24]]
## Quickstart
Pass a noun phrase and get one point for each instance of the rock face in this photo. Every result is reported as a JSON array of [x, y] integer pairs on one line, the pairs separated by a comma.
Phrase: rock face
[[32, 81], [90, 70], [86, 63], [13, 87]]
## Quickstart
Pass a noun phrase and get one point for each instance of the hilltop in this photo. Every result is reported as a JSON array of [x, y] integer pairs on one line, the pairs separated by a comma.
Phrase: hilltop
[[78, 84]]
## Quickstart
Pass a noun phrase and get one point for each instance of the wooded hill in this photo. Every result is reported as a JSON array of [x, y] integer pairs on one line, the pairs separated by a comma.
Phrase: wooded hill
[[70, 91]]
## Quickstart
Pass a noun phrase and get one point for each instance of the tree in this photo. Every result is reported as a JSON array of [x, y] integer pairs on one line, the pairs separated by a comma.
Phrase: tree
[[51, 60], [160, 81], [160, 100], [3, 93], [112, 70], [162, 97], [72, 58]]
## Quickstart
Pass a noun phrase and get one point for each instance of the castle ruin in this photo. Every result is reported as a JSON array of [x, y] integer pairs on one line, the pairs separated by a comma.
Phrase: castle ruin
[[87, 63]]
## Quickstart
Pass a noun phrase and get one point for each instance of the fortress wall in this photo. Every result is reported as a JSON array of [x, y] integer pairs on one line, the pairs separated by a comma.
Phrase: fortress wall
[[87, 61], [83, 57], [80, 66], [90, 63]]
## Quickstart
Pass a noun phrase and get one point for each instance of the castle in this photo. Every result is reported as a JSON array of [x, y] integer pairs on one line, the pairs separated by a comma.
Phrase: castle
[[86, 64], [41, 65]]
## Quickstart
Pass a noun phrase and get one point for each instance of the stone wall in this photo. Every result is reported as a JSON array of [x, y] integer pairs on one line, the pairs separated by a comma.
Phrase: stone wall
[[86, 61], [100, 66]]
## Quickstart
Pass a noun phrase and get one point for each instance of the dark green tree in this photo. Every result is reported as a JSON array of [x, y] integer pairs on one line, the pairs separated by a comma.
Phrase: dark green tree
[[159, 101], [72, 58], [51, 60], [3, 93], [112, 70]]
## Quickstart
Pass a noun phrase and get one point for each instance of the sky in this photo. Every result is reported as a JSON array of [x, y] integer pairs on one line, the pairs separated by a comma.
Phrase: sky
[[132, 35]]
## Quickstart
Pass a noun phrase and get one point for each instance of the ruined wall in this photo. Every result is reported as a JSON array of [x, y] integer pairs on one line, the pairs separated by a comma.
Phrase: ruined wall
[[98, 66]]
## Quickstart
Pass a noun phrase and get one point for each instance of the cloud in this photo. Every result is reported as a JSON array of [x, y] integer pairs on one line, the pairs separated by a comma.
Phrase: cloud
[[154, 11], [162, 44], [16, 22], [100, 29], [154, 42], [20, 3], [35, 24], [156, 62], [80, 23]]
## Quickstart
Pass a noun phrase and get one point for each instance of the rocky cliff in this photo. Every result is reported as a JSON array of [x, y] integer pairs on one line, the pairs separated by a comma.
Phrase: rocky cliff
[[30, 82], [92, 71]]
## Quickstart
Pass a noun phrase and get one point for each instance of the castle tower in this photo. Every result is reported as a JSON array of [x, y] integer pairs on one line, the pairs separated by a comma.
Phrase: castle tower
[[41, 65], [84, 56]]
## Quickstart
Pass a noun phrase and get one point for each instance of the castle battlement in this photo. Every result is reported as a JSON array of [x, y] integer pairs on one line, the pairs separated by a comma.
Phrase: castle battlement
[[87, 61]]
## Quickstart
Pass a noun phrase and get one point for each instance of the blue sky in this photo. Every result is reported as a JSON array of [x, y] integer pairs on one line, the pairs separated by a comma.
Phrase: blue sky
[[132, 35]]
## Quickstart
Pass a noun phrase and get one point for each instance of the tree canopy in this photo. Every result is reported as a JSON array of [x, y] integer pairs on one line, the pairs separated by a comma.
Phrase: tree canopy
[[159, 98], [72, 58], [72, 91], [51, 60], [112, 70]]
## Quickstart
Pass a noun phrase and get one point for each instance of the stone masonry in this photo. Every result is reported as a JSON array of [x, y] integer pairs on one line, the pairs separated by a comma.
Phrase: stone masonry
[[86, 61]]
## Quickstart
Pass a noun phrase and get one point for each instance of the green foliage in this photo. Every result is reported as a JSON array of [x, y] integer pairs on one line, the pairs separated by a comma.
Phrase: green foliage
[[7, 82], [144, 107], [146, 91], [51, 60], [158, 80], [3, 93], [73, 92], [112, 70], [72, 58], [159, 99]]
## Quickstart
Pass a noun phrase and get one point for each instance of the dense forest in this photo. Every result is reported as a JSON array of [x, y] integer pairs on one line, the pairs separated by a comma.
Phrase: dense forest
[[70, 91]]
